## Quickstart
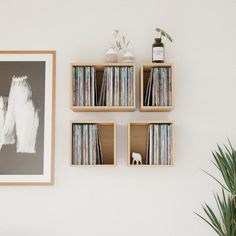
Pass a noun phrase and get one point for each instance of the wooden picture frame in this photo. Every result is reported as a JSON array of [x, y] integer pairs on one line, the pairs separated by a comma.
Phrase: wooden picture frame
[[27, 117]]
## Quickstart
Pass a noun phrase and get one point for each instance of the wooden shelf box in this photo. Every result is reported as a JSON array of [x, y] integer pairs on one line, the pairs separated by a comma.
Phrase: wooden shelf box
[[145, 70], [99, 68], [138, 141], [107, 136]]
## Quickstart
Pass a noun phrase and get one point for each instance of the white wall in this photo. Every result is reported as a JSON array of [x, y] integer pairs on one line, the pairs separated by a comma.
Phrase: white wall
[[128, 201]]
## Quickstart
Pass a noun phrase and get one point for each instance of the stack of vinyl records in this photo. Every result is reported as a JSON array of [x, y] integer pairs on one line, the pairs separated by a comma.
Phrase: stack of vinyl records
[[159, 144], [159, 92], [86, 145], [117, 87], [84, 86]]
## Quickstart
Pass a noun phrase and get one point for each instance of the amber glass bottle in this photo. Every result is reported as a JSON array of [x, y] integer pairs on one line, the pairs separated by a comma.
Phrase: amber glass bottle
[[158, 51]]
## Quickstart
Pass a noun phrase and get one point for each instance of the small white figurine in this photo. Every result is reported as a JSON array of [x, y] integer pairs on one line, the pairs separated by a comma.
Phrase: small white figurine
[[137, 158]]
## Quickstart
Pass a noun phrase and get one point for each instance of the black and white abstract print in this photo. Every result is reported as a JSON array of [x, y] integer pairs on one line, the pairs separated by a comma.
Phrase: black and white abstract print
[[22, 101]]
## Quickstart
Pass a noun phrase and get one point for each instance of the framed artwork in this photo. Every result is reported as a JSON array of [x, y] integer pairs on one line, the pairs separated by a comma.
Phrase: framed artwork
[[27, 110]]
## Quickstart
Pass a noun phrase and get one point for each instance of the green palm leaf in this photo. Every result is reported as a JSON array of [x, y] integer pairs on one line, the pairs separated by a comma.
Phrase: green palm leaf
[[164, 34], [223, 221]]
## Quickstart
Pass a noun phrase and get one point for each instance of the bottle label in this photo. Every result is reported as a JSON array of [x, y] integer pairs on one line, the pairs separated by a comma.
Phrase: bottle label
[[158, 54]]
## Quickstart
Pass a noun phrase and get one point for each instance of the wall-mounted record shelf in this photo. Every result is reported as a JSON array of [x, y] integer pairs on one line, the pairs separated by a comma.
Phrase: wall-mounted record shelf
[[123, 80], [139, 140], [88, 138], [156, 87]]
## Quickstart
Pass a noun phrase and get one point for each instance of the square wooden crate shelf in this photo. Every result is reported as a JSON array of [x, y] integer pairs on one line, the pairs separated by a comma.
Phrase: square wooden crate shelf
[[99, 77], [145, 70], [107, 134], [137, 141]]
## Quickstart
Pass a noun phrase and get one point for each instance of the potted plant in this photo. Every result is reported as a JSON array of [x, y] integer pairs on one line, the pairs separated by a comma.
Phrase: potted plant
[[158, 49], [120, 44], [223, 221]]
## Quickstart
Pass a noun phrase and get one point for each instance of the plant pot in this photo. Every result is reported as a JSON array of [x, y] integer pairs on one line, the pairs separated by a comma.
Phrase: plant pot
[[111, 56], [128, 57]]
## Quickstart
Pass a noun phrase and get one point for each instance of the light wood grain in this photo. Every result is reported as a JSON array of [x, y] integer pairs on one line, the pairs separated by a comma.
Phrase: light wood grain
[[102, 108], [101, 66], [156, 108]]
